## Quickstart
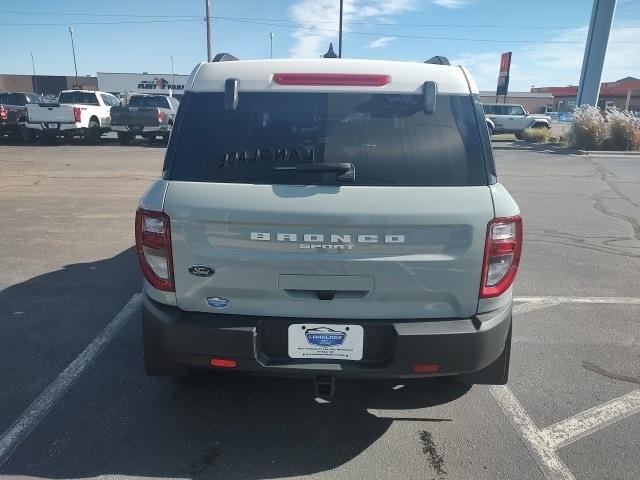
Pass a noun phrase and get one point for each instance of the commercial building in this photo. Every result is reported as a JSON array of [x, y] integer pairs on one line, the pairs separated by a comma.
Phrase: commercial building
[[532, 102], [45, 84], [623, 93], [158, 83]]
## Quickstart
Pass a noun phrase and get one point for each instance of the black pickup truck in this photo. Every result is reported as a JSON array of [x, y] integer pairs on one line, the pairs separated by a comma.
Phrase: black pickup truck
[[149, 116], [13, 114]]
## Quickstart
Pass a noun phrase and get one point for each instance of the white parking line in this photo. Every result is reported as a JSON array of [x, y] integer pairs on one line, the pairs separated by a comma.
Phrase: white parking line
[[36, 412], [543, 444], [543, 454], [602, 300], [580, 425]]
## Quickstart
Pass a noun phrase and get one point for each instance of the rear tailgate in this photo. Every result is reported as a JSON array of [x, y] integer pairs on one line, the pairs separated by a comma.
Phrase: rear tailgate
[[416, 253], [134, 116], [54, 113]]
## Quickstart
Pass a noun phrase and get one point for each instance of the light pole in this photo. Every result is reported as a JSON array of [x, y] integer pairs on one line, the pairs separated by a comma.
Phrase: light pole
[[173, 77], [73, 49], [35, 80], [207, 5], [271, 39], [340, 33]]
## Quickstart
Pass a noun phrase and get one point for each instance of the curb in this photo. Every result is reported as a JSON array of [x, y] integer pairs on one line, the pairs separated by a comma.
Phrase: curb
[[607, 153]]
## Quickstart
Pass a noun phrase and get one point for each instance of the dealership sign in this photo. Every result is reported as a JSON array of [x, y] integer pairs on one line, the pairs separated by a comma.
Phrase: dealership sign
[[503, 77], [141, 83]]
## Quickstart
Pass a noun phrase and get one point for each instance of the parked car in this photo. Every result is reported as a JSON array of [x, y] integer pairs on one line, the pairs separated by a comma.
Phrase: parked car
[[512, 118], [13, 114], [490, 125], [84, 113], [149, 116], [314, 224]]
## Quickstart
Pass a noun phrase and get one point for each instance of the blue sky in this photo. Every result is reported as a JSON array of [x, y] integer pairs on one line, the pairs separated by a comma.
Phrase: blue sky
[[471, 32]]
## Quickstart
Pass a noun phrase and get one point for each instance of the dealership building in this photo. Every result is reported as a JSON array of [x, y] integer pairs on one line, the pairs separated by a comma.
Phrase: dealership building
[[623, 93]]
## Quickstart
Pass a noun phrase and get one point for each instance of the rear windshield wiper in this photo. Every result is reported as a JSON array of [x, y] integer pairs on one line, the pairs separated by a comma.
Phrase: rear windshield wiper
[[345, 171]]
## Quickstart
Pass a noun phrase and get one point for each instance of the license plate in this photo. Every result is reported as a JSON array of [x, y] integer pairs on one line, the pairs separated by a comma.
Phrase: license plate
[[52, 125], [337, 342]]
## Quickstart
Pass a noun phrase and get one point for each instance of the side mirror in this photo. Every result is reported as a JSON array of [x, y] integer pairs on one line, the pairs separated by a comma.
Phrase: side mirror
[[429, 94], [231, 87]]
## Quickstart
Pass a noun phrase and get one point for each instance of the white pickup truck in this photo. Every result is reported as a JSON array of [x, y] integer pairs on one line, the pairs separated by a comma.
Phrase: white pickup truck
[[84, 113]]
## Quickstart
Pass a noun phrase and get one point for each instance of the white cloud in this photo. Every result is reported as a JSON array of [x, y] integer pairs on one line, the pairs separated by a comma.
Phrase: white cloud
[[556, 64], [316, 16], [453, 3], [381, 42]]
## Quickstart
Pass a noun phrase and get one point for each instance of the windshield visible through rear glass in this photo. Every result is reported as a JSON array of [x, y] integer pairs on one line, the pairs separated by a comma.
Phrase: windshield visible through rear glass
[[387, 138], [153, 102]]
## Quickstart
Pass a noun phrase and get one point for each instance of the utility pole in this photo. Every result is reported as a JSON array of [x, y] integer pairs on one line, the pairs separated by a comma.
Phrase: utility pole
[[271, 38], [208, 20], [73, 49], [340, 32], [594, 52], [35, 80], [173, 77]]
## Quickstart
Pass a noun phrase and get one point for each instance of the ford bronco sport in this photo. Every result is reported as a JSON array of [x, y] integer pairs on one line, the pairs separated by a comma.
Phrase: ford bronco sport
[[329, 218]]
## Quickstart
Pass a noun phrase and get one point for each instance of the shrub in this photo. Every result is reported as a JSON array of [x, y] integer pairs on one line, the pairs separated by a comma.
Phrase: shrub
[[623, 129], [536, 135], [589, 128]]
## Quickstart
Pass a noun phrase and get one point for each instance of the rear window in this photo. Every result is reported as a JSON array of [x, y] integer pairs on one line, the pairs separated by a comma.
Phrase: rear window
[[12, 99], [81, 98], [387, 138], [153, 102]]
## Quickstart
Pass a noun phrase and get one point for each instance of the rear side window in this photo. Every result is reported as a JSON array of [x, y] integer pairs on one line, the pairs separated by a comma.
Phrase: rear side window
[[386, 137]]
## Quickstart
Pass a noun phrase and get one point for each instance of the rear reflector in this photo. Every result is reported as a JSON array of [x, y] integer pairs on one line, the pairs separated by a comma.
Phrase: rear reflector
[[153, 244], [223, 363], [502, 250], [426, 367], [333, 79]]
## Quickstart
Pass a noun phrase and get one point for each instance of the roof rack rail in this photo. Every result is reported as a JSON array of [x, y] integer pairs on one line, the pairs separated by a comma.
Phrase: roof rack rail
[[224, 57], [438, 60]]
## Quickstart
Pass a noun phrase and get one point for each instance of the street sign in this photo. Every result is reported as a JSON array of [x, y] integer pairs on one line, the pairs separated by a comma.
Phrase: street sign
[[503, 77]]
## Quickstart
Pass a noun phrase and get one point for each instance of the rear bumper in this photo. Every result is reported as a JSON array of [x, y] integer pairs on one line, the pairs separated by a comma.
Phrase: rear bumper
[[391, 348], [61, 127], [147, 129]]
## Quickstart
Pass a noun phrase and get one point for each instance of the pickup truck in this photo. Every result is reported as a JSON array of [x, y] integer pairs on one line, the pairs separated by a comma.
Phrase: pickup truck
[[512, 118], [83, 113], [13, 114], [149, 116]]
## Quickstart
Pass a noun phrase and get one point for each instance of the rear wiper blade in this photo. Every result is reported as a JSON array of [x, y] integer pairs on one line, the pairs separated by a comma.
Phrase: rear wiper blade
[[346, 171]]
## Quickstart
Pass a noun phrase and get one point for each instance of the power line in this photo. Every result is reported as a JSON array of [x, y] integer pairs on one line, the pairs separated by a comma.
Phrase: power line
[[445, 25], [257, 21]]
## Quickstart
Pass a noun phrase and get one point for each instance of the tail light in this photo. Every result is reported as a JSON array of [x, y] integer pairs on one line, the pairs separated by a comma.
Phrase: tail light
[[160, 116], [4, 114], [501, 255], [333, 79], [153, 244], [77, 114]]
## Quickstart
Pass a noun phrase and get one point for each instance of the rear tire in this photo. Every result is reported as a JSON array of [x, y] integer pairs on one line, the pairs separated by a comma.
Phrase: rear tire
[[124, 138], [495, 374], [92, 135], [156, 364], [519, 136], [24, 134]]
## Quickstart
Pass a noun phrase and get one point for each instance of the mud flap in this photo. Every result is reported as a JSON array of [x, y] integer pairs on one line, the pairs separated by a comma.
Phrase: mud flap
[[495, 374]]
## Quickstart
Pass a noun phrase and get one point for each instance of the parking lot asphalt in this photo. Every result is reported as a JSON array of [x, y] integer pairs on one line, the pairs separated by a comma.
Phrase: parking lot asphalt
[[67, 269]]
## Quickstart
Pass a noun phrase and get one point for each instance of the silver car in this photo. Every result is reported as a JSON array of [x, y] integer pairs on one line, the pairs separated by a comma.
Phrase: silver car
[[329, 218]]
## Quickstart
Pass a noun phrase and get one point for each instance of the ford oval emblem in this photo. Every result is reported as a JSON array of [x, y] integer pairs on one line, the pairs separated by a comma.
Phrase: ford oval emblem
[[201, 271]]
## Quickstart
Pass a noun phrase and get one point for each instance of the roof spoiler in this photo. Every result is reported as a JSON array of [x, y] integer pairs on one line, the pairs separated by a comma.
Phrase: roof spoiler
[[224, 57], [438, 60]]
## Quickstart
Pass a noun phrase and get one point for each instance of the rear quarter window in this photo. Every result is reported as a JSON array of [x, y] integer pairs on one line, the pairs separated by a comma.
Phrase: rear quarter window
[[386, 137]]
